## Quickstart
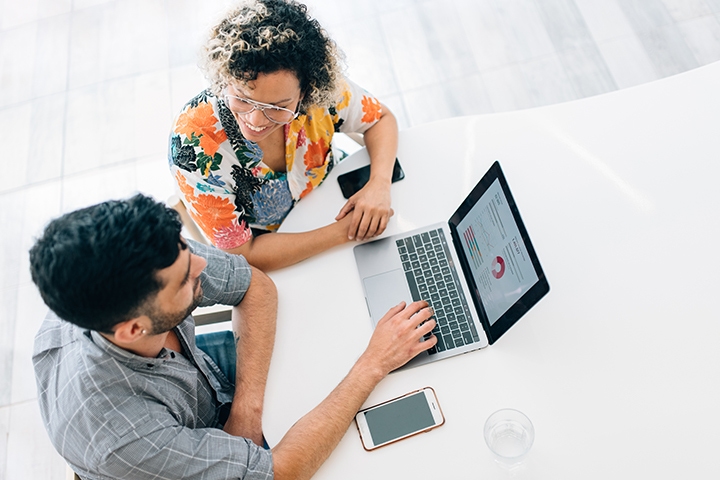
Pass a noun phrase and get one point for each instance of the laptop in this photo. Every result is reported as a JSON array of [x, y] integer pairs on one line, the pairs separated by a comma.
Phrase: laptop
[[479, 272]]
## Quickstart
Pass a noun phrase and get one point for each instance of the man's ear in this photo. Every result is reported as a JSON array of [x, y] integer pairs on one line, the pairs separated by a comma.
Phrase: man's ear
[[132, 330]]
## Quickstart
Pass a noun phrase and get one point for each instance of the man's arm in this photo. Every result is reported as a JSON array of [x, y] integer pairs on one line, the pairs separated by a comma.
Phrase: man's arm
[[310, 441], [253, 322]]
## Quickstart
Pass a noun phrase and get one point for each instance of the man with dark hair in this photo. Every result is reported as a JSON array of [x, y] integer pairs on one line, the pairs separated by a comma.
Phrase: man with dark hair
[[127, 390]]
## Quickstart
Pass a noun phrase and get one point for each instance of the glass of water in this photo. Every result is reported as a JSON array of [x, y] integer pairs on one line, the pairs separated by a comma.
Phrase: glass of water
[[509, 433]]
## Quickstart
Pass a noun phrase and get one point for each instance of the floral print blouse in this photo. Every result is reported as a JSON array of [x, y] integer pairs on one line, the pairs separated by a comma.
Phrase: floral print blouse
[[225, 185]]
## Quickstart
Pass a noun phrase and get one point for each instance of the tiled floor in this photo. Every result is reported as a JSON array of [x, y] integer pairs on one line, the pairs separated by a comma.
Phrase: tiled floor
[[88, 89]]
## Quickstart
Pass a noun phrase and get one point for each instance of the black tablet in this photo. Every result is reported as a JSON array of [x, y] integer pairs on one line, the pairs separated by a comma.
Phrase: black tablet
[[500, 264]]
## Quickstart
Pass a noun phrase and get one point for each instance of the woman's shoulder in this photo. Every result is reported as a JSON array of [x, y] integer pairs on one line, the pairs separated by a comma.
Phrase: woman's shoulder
[[204, 97], [200, 112], [355, 109]]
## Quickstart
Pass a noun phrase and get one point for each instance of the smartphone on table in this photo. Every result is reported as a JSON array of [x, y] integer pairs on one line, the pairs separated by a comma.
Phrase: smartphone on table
[[399, 418], [351, 182]]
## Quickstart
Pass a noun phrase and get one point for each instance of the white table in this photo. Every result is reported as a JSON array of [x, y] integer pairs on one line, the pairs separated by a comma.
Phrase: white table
[[618, 366]]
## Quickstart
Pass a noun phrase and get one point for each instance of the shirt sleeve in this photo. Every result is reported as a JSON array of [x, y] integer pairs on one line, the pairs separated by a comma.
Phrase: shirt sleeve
[[358, 110], [226, 277], [184, 453], [204, 165]]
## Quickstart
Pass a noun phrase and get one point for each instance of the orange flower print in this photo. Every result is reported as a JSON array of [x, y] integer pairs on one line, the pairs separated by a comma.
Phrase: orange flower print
[[210, 143], [212, 214], [371, 109], [315, 155], [308, 188], [187, 191], [201, 122]]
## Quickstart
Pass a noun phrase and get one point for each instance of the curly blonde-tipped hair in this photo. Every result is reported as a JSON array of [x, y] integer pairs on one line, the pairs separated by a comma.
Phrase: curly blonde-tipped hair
[[266, 36]]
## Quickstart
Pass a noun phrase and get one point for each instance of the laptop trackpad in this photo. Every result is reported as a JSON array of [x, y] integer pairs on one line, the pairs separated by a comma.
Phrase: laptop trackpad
[[385, 291]]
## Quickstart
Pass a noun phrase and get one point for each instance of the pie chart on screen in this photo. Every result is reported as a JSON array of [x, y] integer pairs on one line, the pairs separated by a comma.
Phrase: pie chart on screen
[[498, 267]]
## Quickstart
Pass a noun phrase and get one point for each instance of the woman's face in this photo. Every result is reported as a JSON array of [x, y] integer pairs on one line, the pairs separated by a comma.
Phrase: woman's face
[[279, 89]]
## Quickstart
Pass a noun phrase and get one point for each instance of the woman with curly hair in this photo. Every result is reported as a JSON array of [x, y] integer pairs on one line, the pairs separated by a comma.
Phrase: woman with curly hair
[[245, 150]]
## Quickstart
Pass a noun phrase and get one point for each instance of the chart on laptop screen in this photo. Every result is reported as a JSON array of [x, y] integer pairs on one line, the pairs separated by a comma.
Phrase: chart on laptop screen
[[496, 253]]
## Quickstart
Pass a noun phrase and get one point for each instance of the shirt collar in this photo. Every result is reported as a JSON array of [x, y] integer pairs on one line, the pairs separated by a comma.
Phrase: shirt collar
[[135, 361]]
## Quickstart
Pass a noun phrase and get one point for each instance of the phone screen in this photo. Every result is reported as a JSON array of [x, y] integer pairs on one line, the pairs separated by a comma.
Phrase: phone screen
[[352, 182], [396, 419]]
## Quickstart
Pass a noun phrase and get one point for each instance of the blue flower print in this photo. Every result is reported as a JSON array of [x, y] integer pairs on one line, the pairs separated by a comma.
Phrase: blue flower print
[[215, 180], [253, 152], [272, 202]]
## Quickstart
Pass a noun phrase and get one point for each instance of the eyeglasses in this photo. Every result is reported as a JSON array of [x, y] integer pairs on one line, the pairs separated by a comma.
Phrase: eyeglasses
[[244, 106]]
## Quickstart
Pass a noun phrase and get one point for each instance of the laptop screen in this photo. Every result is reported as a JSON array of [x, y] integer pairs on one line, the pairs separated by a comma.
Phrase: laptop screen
[[497, 257], [496, 253]]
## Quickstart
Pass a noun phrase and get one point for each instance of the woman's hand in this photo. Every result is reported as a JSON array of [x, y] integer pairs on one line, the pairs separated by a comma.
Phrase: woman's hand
[[370, 210]]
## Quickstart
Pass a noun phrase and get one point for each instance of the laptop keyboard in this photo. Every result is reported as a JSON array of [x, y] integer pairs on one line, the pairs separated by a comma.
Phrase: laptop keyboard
[[432, 277]]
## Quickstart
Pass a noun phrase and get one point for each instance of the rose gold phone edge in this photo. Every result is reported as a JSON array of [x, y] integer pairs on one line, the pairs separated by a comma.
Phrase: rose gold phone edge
[[357, 426]]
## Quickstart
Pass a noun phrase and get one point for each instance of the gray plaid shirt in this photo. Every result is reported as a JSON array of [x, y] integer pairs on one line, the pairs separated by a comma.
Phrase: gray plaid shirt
[[115, 415]]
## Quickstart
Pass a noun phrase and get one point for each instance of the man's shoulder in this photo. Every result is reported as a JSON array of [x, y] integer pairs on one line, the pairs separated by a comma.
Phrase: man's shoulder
[[69, 366], [54, 333], [84, 392]]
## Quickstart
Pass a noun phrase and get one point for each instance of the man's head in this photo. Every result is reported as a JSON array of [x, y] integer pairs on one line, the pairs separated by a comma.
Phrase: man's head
[[103, 265]]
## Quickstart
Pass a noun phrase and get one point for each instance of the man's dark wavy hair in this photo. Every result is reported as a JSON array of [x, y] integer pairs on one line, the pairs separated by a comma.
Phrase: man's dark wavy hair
[[97, 266]]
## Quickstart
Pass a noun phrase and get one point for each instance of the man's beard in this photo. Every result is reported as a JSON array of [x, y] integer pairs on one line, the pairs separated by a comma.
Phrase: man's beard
[[164, 322]]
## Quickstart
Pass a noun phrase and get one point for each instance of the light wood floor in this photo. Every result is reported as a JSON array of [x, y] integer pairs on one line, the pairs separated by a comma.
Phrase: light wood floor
[[88, 89]]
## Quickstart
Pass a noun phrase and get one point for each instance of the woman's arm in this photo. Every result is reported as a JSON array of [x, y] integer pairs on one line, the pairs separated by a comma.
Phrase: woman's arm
[[370, 206], [276, 250]]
